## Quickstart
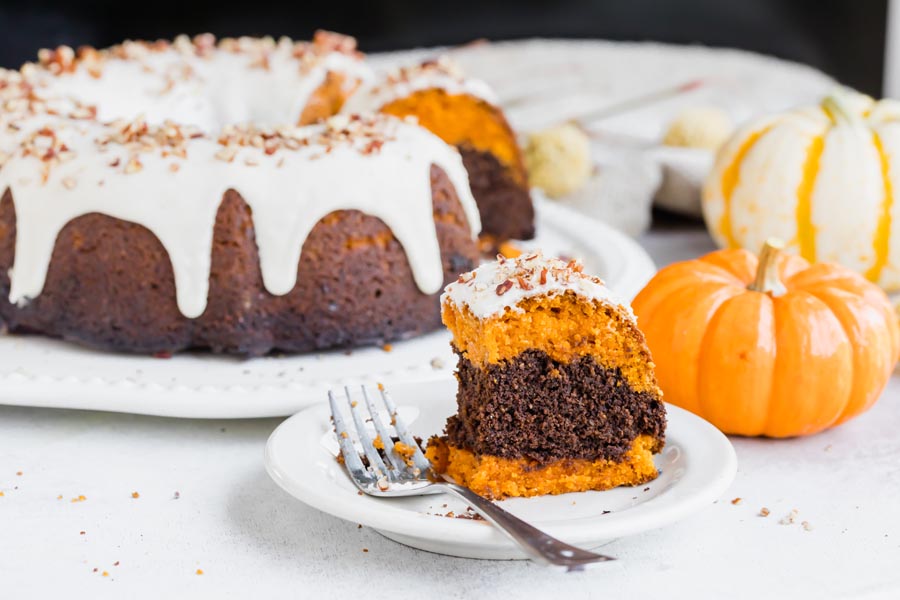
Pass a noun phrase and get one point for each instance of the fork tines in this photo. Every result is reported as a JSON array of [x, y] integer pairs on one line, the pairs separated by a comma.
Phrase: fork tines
[[382, 468]]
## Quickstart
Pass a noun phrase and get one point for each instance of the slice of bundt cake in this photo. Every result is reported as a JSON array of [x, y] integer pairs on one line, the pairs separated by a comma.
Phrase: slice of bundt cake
[[463, 112], [556, 386]]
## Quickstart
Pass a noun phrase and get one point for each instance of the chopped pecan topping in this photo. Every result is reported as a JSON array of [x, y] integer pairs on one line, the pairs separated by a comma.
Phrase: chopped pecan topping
[[329, 41], [504, 287], [134, 165], [442, 65], [60, 60], [45, 145], [531, 271]]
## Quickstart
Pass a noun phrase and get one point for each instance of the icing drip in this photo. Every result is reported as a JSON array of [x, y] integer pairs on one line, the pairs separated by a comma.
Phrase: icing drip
[[288, 190], [442, 73], [500, 285]]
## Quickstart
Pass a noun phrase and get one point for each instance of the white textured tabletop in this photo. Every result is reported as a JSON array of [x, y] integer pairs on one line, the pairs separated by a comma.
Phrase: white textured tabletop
[[203, 503]]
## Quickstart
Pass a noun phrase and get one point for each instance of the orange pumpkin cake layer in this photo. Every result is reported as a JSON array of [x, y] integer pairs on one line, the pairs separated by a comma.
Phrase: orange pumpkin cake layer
[[489, 150], [464, 113], [476, 124], [496, 477], [556, 387]]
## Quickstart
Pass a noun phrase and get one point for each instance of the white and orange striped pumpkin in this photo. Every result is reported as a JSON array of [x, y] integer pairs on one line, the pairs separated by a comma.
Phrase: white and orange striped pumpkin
[[824, 178]]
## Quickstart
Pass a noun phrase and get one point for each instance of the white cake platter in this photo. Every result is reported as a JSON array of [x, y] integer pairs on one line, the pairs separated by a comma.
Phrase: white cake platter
[[35, 371]]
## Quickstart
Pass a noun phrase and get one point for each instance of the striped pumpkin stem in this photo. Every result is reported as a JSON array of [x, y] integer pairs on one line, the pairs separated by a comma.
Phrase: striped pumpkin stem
[[767, 280], [837, 109]]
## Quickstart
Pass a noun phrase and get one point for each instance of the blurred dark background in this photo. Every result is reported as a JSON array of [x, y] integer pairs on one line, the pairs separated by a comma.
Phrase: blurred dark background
[[844, 38]]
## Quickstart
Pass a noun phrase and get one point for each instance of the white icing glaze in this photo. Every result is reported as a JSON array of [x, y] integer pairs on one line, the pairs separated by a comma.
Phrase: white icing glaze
[[288, 191], [443, 74], [500, 285], [208, 91]]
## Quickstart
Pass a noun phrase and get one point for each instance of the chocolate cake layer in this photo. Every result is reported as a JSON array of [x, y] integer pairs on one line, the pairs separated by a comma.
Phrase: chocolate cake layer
[[534, 407], [110, 284], [504, 205]]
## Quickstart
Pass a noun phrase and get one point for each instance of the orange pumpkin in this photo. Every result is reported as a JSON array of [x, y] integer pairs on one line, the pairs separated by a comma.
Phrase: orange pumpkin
[[774, 347]]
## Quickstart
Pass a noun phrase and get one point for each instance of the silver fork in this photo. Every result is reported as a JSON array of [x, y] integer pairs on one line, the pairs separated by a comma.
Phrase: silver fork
[[392, 477]]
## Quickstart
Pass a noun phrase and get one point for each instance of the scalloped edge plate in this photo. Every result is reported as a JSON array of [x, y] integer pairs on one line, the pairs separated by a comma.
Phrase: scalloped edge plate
[[36, 371]]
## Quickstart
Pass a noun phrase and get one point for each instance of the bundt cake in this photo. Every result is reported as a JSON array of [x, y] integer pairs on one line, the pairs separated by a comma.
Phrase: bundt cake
[[156, 197], [556, 387], [130, 237], [463, 112]]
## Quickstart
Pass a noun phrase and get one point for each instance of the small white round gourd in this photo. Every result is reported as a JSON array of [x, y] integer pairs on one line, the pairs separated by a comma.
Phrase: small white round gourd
[[825, 178]]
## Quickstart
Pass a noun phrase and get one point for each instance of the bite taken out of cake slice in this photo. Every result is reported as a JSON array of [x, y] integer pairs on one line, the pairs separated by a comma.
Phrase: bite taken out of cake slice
[[556, 386]]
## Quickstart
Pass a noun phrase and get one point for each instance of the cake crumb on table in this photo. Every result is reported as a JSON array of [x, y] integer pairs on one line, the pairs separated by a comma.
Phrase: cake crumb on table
[[199, 571], [737, 501], [764, 512], [806, 526], [19, 473], [790, 518], [365, 549], [135, 495], [80, 498]]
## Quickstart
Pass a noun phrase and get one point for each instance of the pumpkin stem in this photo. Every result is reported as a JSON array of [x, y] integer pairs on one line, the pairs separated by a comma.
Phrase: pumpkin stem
[[843, 105], [767, 280]]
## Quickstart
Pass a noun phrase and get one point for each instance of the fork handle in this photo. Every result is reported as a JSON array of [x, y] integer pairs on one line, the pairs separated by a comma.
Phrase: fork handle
[[535, 543]]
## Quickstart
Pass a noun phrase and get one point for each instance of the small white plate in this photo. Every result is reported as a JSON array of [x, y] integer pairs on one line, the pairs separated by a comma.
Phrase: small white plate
[[696, 467], [36, 371]]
